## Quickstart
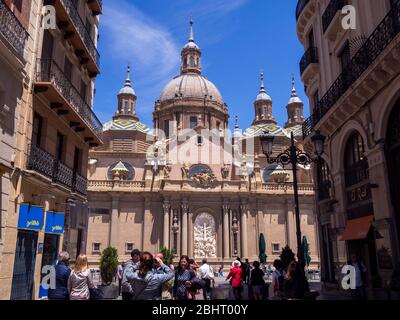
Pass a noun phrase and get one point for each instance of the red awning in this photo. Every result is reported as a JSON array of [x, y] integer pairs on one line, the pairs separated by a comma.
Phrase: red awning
[[357, 229]]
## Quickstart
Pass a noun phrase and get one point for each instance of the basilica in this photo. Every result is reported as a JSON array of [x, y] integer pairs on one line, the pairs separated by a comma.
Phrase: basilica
[[191, 185]]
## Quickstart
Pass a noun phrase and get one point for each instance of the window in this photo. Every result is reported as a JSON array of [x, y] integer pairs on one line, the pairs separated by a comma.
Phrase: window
[[77, 160], [199, 140], [166, 128], [101, 211], [218, 125], [68, 69], [83, 90], [276, 248], [344, 55], [47, 47], [96, 246], [193, 122], [125, 106], [128, 247], [60, 146], [191, 62], [324, 183], [37, 130], [356, 164]]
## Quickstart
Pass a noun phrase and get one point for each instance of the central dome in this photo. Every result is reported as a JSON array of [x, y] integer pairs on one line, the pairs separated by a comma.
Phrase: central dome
[[191, 86]]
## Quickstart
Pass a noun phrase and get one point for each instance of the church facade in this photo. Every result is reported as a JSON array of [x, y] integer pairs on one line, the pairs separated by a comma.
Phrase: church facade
[[189, 184]]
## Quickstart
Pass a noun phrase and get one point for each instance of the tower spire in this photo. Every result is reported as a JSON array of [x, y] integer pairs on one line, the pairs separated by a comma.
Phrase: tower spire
[[262, 85], [128, 76], [191, 34], [294, 92]]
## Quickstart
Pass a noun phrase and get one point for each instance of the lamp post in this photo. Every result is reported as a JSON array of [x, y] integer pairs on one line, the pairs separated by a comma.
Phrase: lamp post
[[294, 156]]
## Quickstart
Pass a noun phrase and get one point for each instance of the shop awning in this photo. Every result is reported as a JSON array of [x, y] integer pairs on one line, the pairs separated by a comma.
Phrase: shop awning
[[357, 229]]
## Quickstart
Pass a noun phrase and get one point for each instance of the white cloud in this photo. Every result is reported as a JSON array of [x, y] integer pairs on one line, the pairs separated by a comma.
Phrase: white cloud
[[133, 37]]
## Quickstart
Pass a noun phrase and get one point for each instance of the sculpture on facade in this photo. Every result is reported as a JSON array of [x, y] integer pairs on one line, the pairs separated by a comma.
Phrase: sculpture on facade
[[205, 243]]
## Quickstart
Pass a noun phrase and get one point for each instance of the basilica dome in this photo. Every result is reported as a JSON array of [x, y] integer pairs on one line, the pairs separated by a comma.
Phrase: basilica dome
[[191, 86]]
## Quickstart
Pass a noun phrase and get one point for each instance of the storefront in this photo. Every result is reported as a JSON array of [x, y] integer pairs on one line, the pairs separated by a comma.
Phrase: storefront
[[53, 230], [30, 223]]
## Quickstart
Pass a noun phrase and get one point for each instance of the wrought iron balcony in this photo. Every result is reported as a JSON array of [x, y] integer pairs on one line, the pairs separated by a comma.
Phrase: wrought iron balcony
[[12, 30], [80, 184], [331, 10], [46, 164], [301, 4], [96, 6], [372, 48], [309, 57], [52, 81], [81, 29]]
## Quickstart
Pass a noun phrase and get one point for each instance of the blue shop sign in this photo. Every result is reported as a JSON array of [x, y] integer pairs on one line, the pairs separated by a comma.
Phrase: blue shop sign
[[30, 217], [54, 222]]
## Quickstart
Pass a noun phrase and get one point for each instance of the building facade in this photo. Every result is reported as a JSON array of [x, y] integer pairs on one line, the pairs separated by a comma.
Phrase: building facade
[[352, 77], [190, 185], [46, 211]]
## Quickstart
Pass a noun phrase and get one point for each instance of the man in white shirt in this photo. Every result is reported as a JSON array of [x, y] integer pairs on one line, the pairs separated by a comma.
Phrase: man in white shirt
[[207, 275]]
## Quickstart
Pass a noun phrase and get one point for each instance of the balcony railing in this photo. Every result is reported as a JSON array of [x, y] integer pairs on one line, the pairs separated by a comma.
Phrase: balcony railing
[[309, 57], [12, 30], [301, 4], [377, 42], [49, 72], [46, 164], [330, 12], [83, 32]]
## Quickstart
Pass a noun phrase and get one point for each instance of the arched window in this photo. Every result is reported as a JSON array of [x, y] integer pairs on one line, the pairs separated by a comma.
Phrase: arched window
[[355, 162], [191, 61], [125, 106], [324, 182], [358, 188]]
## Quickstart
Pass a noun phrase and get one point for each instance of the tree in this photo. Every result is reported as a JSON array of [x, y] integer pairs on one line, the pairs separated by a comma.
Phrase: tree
[[108, 265], [287, 256], [168, 255]]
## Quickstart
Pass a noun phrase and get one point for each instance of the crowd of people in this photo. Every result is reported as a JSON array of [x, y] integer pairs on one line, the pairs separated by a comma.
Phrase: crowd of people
[[147, 277]]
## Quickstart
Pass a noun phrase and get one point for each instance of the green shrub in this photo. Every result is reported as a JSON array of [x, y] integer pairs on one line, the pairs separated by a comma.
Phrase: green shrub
[[108, 265], [168, 255]]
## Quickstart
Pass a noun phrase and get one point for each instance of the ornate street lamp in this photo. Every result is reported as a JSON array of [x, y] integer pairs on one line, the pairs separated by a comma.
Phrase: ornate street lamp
[[294, 156]]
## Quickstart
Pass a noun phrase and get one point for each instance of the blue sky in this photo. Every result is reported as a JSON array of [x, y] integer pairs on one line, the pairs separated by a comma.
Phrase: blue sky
[[238, 38]]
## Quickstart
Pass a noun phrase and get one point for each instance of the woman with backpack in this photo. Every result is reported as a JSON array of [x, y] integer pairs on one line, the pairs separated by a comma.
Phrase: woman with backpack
[[236, 278], [278, 279], [80, 281]]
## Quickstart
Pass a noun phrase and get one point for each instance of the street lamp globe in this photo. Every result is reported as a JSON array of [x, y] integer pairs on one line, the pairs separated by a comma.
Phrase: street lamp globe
[[267, 141], [319, 140]]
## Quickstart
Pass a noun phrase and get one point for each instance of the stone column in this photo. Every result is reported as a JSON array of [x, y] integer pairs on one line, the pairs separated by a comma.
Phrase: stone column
[[113, 238], [185, 211], [243, 230], [166, 207], [226, 231]]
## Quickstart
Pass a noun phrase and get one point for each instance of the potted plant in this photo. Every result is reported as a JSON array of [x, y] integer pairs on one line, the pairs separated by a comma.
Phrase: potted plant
[[108, 272]]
